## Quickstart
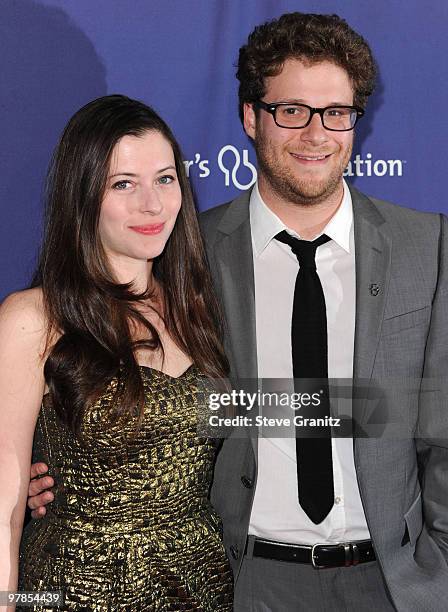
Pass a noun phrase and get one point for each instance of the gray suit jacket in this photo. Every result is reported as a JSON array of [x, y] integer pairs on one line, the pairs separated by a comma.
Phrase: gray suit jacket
[[401, 332]]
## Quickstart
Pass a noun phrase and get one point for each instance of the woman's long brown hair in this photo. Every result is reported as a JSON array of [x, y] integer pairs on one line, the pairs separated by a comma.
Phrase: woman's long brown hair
[[92, 314]]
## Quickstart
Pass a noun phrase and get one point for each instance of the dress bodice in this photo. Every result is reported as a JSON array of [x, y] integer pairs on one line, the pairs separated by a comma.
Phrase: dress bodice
[[131, 526]]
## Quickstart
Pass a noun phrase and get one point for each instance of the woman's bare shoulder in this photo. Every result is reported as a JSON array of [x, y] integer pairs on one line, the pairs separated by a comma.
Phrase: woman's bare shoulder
[[22, 314], [24, 306]]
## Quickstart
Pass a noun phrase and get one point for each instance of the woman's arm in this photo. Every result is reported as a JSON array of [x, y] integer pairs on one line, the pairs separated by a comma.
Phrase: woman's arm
[[22, 341]]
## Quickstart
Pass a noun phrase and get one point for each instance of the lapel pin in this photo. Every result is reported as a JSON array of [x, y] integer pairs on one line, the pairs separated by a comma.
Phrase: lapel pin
[[374, 289]]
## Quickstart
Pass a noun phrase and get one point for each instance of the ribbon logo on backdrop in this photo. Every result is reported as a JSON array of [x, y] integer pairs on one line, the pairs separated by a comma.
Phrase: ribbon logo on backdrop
[[237, 162]]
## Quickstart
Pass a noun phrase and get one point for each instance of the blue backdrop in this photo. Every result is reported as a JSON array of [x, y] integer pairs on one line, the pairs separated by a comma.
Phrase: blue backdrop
[[179, 56]]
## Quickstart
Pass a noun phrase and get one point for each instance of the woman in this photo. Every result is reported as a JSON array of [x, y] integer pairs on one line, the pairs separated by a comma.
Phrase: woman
[[104, 358]]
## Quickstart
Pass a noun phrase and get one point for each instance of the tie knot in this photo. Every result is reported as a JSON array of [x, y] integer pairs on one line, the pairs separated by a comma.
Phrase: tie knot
[[304, 250]]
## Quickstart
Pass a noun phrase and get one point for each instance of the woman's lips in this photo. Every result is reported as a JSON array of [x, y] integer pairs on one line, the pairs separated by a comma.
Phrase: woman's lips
[[148, 229]]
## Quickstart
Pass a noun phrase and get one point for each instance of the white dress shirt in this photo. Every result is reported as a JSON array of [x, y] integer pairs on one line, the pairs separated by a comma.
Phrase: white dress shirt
[[276, 513]]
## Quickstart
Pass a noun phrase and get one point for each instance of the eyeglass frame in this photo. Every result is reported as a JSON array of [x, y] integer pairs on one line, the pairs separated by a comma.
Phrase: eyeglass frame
[[272, 107]]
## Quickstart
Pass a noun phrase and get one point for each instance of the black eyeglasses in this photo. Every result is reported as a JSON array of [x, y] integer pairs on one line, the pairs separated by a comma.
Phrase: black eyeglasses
[[297, 116]]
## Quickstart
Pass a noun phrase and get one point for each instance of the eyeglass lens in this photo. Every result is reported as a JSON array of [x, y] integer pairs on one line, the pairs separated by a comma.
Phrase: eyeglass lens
[[296, 115]]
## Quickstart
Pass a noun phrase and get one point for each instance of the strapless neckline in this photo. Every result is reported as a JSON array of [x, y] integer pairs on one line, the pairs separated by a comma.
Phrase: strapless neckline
[[156, 371], [160, 372]]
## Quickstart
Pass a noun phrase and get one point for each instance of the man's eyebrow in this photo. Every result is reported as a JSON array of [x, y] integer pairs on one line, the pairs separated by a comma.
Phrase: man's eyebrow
[[301, 101]]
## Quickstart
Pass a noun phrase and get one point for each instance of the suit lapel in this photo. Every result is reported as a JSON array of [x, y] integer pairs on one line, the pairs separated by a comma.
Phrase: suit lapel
[[236, 269], [234, 263], [373, 261]]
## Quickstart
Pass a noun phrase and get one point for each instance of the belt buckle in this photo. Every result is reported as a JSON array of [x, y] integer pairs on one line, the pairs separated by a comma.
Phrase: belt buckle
[[313, 560], [351, 555]]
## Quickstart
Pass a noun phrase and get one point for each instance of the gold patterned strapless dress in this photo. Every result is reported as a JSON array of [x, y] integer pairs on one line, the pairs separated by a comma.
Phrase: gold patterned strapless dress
[[131, 527]]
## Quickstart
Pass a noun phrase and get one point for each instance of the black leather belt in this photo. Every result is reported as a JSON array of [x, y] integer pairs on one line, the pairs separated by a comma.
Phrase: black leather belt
[[319, 556]]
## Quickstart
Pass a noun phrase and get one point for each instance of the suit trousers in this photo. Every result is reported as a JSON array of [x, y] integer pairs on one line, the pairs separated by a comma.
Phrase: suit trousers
[[266, 585]]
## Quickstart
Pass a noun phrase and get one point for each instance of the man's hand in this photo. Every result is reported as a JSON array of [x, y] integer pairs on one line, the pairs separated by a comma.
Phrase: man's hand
[[38, 496]]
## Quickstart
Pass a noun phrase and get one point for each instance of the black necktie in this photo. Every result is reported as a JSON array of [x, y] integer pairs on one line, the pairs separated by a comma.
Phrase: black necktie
[[310, 361]]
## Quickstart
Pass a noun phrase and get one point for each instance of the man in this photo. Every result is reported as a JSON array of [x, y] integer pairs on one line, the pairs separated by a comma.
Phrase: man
[[373, 533]]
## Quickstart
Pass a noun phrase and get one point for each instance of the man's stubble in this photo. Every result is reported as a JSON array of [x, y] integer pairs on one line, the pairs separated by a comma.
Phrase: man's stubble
[[292, 188]]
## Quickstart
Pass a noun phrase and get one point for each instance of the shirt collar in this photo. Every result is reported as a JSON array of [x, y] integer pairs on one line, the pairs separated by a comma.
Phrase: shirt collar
[[265, 224]]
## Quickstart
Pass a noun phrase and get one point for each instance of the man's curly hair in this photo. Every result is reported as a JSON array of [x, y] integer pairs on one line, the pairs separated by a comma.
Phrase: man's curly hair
[[312, 39]]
